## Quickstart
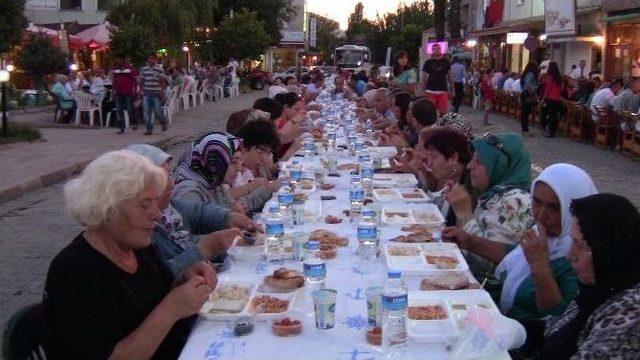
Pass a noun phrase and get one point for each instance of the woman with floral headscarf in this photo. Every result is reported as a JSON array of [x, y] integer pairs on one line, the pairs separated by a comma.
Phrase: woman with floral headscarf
[[501, 169], [211, 163]]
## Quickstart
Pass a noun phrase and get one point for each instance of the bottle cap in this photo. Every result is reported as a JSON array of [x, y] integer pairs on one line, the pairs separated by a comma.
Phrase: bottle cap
[[394, 274], [313, 245]]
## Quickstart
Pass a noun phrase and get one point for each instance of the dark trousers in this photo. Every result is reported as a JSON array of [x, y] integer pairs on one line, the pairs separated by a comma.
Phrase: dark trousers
[[549, 117], [123, 102], [459, 94]]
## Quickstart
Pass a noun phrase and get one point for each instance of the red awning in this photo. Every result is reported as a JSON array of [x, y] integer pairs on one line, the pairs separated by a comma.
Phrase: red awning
[[75, 42]]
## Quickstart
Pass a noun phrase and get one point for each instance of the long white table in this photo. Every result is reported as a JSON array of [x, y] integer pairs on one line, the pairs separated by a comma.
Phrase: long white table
[[347, 273]]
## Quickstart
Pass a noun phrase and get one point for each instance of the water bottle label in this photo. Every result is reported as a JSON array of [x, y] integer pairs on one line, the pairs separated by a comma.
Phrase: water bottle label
[[366, 173], [275, 229], [398, 302], [356, 194], [285, 199], [315, 270], [296, 175], [331, 136], [369, 213], [366, 232], [309, 146], [364, 158]]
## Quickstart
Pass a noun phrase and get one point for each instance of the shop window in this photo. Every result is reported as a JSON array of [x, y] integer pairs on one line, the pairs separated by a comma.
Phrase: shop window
[[70, 4]]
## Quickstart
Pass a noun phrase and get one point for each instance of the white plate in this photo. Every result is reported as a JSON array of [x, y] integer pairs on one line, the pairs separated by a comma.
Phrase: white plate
[[384, 151], [432, 331], [389, 218], [421, 196], [428, 214], [386, 195], [418, 266], [290, 297], [394, 181], [216, 310], [456, 254]]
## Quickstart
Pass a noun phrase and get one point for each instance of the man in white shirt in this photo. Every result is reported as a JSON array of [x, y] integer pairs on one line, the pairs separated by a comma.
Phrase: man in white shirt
[[512, 84], [580, 71], [544, 65], [605, 97]]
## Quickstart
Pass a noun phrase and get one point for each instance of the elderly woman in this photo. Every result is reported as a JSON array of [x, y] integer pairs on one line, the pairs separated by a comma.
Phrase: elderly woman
[[602, 322], [501, 169], [212, 163], [189, 232], [420, 115], [107, 293], [457, 122], [65, 98]]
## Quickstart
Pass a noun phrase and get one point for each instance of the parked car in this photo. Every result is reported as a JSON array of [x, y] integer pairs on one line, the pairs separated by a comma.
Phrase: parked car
[[257, 79], [290, 71]]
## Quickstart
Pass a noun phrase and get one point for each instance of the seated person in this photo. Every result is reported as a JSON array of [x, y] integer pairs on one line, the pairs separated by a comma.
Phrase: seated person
[[290, 124], [421, 114], [457, 122], [500, 169], [107, 293], [211, 164], [189, 232], [65, 97], [605, 97], [340, 88], [269, 105], [357, 85], [382, 103], [602, 322]]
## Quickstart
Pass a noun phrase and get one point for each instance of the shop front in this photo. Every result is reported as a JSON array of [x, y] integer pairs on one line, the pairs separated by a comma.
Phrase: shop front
[[623, 44]]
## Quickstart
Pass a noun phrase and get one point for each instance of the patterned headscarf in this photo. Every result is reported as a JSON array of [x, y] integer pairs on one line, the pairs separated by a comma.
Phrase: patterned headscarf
[[456, 121], [207, 159]]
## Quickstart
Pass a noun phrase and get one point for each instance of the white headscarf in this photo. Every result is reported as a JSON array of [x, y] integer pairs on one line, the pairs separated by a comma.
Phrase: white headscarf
[[568, 182]]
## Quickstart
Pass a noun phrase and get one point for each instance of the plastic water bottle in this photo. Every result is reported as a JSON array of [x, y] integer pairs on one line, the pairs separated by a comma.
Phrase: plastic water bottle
[[314, 267], [394, 316], [331, 136], [356, 196], [309, 147], [367, 235], [295, 171], [366, 173], [274, 225], [368, 129], [285, 199]]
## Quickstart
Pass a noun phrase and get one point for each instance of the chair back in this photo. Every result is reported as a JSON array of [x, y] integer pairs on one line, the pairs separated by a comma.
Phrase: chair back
[[83, 101], [630, 120], [604, 115], [22, 336], [203, 85]]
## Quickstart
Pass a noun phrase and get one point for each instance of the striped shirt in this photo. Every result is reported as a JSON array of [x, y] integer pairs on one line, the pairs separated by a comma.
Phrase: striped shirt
[[151, 79]]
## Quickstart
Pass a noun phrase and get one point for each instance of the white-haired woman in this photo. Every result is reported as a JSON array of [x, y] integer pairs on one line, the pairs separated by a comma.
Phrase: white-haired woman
[[108, 294], [65, 98]]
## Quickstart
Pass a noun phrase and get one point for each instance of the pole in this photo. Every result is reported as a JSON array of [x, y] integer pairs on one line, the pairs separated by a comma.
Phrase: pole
[[4, 109]]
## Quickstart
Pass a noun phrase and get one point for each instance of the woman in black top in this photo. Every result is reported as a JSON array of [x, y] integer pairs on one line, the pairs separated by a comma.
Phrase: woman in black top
[[107, 294]]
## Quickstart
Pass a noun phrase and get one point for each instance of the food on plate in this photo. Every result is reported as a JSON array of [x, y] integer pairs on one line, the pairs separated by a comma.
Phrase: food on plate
[[426, 217], [228, 298], [330, 219], [307, 184], [327, 197], [327, 186], [349, 166], [464, 307], [367, 201], [300, 197], [401, 214], [385, 192], [414, 238], [328, 237], [413, 194], [403, 251], [416, 229], [250, 239], [374, 336], [442, 261], [285, 279], [429, 312], [445, 282], [265, 304], [286, 327], [328, 251]]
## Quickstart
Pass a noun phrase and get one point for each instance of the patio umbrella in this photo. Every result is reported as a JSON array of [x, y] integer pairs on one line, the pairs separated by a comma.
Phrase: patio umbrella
[[75, 42], [97, 37]]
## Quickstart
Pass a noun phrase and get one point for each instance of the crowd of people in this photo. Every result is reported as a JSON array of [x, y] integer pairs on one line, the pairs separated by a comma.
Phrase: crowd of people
[[558, 257], [139, 92]]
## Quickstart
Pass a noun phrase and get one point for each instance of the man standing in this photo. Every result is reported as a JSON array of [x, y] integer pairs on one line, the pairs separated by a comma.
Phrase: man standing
[[580, 71], [544, 65], [153, 84], [435, 74], [124, 84], [459, 74]]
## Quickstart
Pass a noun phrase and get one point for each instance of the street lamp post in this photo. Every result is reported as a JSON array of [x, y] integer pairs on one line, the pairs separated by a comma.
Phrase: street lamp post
[[4, 78], [186, 49]]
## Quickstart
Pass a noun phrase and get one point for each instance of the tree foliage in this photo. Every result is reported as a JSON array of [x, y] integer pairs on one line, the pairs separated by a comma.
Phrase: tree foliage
[[271, 12], [133, 41], [327, 37], [12, 21], [40, 57], [439, 11], [454, 19], [241, 37]]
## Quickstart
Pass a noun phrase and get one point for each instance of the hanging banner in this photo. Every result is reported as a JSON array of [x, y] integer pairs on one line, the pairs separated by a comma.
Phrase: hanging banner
[[312, 32], [560, 17], [63, 40]]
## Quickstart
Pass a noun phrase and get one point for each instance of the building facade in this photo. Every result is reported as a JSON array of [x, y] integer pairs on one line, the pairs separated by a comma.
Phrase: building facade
[[622, 52], [294, 39], [83, 12]]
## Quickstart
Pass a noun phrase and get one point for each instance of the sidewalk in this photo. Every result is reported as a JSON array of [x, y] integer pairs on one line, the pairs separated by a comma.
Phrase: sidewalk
[[64, 152]]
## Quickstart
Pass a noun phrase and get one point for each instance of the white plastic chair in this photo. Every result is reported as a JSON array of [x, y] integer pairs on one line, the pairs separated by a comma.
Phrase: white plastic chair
[[168, 106], [113, 111], [234, 88], [201, 93], [183, 97], [193, 93], [476, 97], [218, 91], [84, 103]]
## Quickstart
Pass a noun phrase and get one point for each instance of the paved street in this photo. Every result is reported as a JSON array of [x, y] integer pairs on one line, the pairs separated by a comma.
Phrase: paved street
[[34, 227]]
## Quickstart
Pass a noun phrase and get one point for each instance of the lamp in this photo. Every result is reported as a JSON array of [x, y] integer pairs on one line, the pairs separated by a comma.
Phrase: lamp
[[73, 67], [10, 67], [5, 75], [185, 48]]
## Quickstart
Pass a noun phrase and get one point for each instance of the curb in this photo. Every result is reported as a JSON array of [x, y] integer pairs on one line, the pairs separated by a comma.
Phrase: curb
[[63, 174]]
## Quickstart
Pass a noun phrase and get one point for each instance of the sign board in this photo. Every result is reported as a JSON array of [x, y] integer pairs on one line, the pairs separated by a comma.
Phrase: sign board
[[516, 37], [560, 17], [292, 36], [429, 45], [41, 5], [313, 23], [63, 40]]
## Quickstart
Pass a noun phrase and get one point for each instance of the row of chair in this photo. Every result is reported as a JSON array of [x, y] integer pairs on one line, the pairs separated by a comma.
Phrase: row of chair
[[612, 130]]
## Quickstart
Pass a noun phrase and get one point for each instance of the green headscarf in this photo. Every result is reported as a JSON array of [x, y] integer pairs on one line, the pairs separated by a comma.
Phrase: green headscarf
[[504, 174]]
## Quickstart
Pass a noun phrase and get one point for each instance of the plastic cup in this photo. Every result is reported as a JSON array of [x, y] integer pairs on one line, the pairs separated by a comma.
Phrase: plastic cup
[[299, 241], [374, 298], [324, 306], [297, 212]]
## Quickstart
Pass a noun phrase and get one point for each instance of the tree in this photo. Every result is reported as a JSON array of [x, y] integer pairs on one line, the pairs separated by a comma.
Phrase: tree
[[439, 9], [272, 12], [241, 37], [355, 24], [327, 37], [12, 21], [133, 41], [454, 19], [408, 39], [40, 57]]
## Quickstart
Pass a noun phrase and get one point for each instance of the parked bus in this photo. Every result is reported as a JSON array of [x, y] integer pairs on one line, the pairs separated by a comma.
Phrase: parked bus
[[353, 58]]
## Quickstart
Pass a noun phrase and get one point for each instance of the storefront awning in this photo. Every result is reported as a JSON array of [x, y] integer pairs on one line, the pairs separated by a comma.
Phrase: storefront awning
[[528, 24], [633, 17]]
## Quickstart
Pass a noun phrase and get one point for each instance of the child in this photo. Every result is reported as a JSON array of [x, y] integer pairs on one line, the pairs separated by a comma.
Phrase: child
[[489, 95]]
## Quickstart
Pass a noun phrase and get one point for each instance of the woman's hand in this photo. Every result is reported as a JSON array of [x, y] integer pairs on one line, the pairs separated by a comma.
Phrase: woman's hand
[[203, 270], [239, 207], [460, 200], [535, 247], [455, 234], [186, 299], [220, 241], [391, 129], [273, 186], [241, 221]]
